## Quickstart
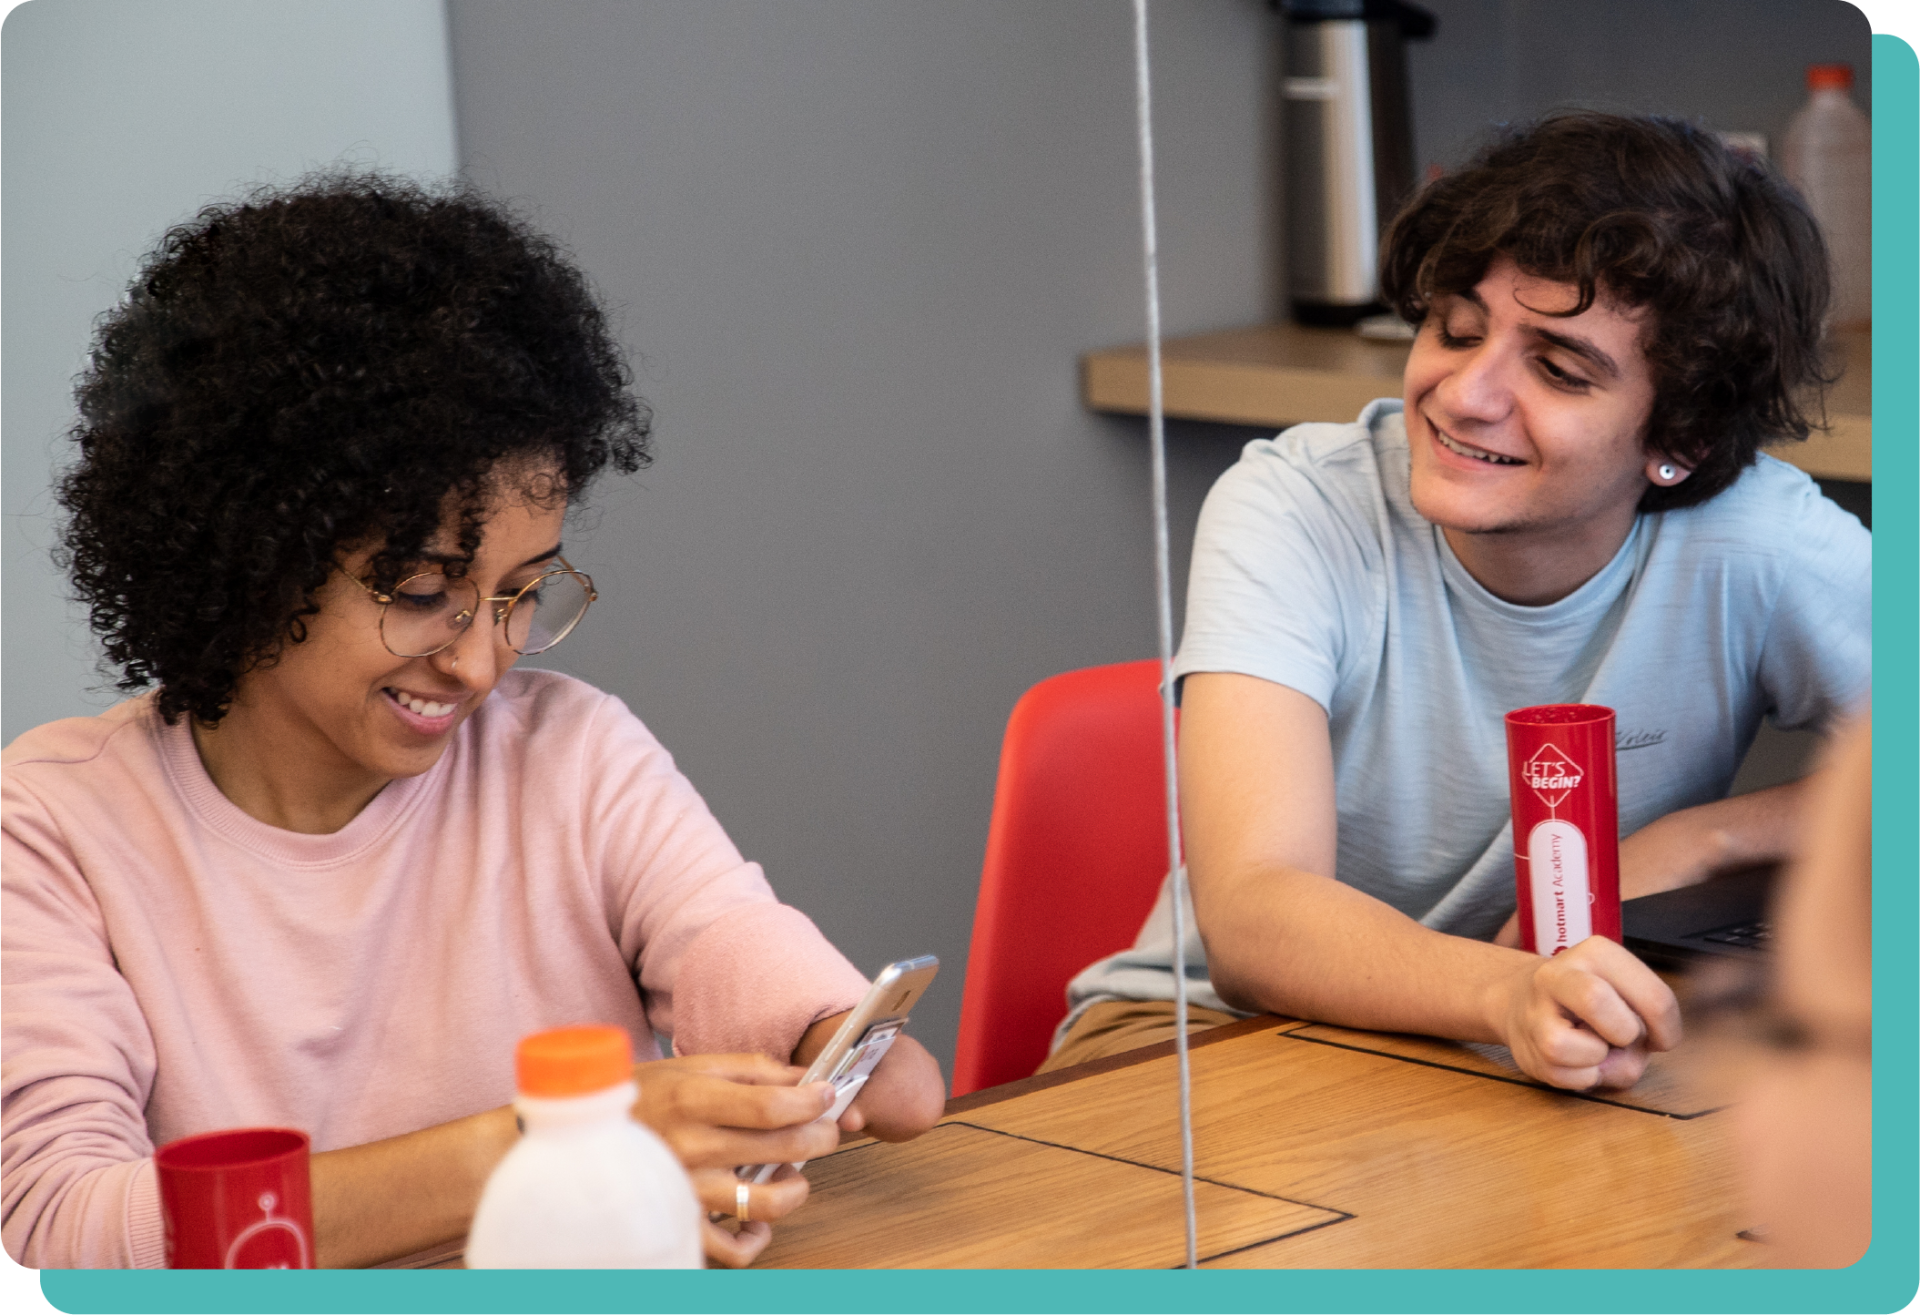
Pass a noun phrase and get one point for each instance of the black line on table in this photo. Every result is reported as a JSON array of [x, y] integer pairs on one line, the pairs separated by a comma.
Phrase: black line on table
[[1140, 1164], [1338, 1216], [1324, 1223], [1499, 1077]]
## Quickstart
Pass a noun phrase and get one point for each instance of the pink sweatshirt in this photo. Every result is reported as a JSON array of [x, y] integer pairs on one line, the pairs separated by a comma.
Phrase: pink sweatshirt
[[171, 965]]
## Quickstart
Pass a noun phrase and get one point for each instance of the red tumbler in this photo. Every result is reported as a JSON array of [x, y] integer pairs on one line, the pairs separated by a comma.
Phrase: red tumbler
[[1566, 824], [236, 1199]]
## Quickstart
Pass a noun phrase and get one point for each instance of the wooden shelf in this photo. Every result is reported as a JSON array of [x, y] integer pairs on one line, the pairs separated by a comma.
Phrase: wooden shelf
[[1283, 374]]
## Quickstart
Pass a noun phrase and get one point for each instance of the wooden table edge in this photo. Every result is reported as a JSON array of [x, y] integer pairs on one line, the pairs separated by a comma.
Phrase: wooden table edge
[[974, 1100]]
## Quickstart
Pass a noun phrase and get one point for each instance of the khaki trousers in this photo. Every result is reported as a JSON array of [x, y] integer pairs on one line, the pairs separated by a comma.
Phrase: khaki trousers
[[1112, 1027]]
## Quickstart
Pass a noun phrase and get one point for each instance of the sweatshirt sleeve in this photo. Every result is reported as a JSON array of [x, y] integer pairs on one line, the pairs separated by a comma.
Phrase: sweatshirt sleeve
[[76, 1065], [722, 965]]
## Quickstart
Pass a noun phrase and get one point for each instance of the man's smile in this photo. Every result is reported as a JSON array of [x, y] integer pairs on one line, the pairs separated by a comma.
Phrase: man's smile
[[1467, 450]]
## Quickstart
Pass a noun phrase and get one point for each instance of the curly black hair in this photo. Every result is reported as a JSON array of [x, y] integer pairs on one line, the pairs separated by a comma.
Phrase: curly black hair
[[328, 366], [1659, 214]]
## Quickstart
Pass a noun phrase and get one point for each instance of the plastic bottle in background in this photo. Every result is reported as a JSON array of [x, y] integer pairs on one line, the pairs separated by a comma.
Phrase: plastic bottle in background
[[1829, 156], [586, 1187]]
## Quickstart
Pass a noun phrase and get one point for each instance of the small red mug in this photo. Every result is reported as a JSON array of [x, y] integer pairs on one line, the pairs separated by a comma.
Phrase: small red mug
[[236, 1199], [1566, 824]]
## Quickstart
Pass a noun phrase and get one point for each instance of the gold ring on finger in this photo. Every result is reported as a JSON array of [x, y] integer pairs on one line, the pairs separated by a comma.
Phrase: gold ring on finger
[[742, 1193]]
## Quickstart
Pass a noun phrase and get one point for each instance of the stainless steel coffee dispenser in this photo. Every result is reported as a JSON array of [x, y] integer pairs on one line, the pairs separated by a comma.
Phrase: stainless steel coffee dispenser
[[1349, 144]]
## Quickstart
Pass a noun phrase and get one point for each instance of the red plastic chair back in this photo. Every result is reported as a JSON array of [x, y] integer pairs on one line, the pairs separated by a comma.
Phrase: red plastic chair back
[[1075, 855]]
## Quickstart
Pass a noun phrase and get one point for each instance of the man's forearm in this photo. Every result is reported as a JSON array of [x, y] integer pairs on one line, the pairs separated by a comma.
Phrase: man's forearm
[[1694, 843], [1761, 827], [1296, 943]]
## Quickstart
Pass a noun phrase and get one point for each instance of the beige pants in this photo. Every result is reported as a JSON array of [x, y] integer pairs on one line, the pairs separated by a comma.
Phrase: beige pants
[[1114, 1026]]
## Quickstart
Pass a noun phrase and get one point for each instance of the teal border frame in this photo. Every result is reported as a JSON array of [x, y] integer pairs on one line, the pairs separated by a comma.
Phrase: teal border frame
[[1885, 1279]]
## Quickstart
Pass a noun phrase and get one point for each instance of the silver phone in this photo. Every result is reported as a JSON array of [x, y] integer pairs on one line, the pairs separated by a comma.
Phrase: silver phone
[[862, 1041]]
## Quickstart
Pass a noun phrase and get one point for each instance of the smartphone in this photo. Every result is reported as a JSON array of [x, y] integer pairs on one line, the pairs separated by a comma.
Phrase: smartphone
[[861, 1042]]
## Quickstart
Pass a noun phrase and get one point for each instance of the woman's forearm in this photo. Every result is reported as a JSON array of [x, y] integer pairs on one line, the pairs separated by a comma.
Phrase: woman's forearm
[[391, 1198]]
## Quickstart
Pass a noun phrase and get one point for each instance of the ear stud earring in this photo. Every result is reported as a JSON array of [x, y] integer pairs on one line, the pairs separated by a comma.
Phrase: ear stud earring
[[1668, 474]]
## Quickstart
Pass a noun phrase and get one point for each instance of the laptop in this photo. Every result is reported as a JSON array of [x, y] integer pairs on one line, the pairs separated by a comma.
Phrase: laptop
[[1724, 916]]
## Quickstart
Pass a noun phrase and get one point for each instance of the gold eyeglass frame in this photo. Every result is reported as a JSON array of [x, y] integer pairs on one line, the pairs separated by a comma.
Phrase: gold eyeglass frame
[[503, 608]]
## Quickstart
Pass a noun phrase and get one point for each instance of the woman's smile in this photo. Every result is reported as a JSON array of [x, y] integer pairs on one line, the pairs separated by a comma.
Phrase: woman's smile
[[425, 713]]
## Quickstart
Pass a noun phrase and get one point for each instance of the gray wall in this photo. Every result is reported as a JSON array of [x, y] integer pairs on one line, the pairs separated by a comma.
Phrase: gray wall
[[1740, 65], [856, 246], [118, 118]]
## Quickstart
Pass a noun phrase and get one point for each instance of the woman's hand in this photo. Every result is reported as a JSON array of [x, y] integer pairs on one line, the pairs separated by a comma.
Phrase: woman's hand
[[904, 1096], [1587, 1017], [735, 1246], [717, 1112]]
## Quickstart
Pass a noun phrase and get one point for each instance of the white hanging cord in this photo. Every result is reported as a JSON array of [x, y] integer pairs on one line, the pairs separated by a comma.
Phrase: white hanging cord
[[1163, 594]]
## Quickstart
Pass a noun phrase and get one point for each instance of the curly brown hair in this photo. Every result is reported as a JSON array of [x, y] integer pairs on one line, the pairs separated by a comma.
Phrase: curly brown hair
[[302, 371], [1653, 213]]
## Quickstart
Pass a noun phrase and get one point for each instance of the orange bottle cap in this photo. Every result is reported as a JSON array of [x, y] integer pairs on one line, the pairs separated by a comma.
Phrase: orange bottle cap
[[573, 1061], [1828, 77]]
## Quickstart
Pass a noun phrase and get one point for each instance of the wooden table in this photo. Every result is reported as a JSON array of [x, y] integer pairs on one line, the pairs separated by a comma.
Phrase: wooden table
[[1282, 374], [1314, 1146]]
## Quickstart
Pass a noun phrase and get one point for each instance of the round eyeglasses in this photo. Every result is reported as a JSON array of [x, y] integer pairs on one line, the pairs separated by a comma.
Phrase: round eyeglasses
[[425, 613]]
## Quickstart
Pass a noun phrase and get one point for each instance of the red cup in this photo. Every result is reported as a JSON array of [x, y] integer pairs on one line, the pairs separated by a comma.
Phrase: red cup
[[236, 1199], [1566, 824]]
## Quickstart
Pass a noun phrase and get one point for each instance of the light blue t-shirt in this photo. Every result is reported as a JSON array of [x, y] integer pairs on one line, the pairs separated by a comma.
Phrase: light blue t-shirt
[[1312, 569]]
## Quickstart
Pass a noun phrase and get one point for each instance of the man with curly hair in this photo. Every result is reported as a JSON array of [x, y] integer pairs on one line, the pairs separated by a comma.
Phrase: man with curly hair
[[340, 856], [1565, 507]]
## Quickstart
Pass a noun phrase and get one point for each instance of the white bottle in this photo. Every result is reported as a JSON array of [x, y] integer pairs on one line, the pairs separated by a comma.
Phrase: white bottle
[[1828, 156], [586, 1187]]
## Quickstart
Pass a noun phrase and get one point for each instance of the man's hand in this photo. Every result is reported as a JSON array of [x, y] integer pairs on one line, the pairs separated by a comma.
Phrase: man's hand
[[1281, 934], [717, 1112], [904, 1096], [1587, 1017]]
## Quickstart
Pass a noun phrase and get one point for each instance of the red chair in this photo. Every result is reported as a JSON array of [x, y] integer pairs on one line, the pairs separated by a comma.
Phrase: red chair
[[1075, 855]]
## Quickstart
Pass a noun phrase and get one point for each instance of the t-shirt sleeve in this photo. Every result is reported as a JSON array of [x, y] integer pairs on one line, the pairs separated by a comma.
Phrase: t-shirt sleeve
[[1275, 577], [76, 1167], [722, 965], [1816, 664]]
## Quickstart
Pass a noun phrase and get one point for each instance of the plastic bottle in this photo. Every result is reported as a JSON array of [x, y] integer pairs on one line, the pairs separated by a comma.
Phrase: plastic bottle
[[586, 1187], [1829, 156]]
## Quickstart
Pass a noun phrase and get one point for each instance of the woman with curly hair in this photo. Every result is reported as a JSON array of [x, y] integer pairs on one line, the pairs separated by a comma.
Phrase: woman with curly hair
[[340, 855]]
